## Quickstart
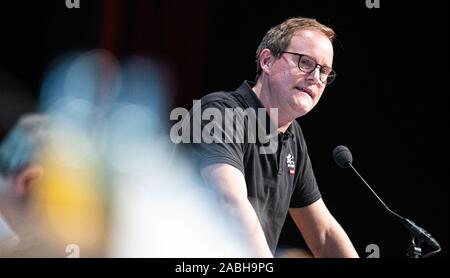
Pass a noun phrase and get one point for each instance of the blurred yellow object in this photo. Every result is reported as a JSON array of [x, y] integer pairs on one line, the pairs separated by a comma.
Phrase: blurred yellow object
[[71, 202]]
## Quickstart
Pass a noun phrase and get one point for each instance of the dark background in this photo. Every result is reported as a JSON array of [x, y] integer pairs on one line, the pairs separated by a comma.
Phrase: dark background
[[389, 104]]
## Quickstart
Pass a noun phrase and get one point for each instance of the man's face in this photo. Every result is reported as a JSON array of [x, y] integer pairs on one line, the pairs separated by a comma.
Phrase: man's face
[[294, 91]]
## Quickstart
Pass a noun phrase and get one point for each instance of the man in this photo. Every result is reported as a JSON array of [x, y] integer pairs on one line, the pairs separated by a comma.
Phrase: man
[[294, 65], [19, 171]]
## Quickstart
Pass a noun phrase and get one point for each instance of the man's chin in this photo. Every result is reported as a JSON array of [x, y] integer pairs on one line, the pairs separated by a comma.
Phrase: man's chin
[[301, 110], [303, 104]]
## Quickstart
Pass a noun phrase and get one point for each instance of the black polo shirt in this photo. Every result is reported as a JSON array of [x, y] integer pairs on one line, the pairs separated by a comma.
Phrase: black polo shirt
[[275, 181]]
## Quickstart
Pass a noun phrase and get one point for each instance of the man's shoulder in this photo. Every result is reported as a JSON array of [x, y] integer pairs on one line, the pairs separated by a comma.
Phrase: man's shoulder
[[223, 98], [296, 130]]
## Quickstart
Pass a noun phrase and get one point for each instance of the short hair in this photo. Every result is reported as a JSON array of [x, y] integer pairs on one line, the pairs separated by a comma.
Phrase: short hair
[[277, 39], [23, 144]]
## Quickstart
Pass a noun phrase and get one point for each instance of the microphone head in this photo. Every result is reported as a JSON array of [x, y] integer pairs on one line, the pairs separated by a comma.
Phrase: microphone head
[[342, 156]]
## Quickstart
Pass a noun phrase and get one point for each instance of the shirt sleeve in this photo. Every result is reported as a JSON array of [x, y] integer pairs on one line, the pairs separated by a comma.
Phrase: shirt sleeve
[[214, 148]]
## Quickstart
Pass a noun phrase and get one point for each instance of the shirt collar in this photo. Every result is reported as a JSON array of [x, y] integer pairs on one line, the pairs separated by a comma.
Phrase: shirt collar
[[246, 90]]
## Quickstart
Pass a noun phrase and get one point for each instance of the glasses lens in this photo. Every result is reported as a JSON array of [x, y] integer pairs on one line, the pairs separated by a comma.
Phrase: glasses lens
[[306, 64], [328, 78]]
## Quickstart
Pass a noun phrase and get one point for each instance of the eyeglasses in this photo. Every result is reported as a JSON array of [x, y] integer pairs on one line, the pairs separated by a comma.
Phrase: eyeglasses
[[308, 64]]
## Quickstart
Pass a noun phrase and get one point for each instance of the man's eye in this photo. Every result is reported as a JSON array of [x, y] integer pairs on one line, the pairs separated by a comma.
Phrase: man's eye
[[307, 63]]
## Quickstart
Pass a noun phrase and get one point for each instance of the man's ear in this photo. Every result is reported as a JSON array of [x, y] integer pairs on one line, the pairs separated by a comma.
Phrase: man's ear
[[26, 178], [266, 59]]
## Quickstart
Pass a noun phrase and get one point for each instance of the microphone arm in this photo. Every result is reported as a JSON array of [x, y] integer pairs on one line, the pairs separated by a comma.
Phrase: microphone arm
[[375, 194], [418, 234]]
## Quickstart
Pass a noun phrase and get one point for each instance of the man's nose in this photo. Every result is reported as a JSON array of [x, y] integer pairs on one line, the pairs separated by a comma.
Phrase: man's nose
[[314, 75]]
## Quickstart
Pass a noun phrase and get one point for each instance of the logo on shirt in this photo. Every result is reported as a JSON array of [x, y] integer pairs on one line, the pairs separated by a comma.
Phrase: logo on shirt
[[290, 164]]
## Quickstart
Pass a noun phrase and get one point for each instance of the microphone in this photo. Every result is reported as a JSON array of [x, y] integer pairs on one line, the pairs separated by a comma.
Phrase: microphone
[[421, 234], [343, 157]]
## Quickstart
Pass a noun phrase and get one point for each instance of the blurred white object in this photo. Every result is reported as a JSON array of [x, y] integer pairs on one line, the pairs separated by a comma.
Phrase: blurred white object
[[8, 239]]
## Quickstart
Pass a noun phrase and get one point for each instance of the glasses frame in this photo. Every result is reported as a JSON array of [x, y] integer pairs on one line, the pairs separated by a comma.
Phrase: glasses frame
[[332, 72]]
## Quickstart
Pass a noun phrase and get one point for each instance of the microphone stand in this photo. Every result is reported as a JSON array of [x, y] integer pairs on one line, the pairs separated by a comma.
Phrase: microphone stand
[[418, 235]]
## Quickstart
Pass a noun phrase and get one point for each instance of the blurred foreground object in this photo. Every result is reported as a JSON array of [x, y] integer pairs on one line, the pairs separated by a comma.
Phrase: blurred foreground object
[[107, 185]]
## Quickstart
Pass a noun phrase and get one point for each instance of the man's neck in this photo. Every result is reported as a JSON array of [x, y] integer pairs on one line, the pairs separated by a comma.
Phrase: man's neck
[[264, 96]]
